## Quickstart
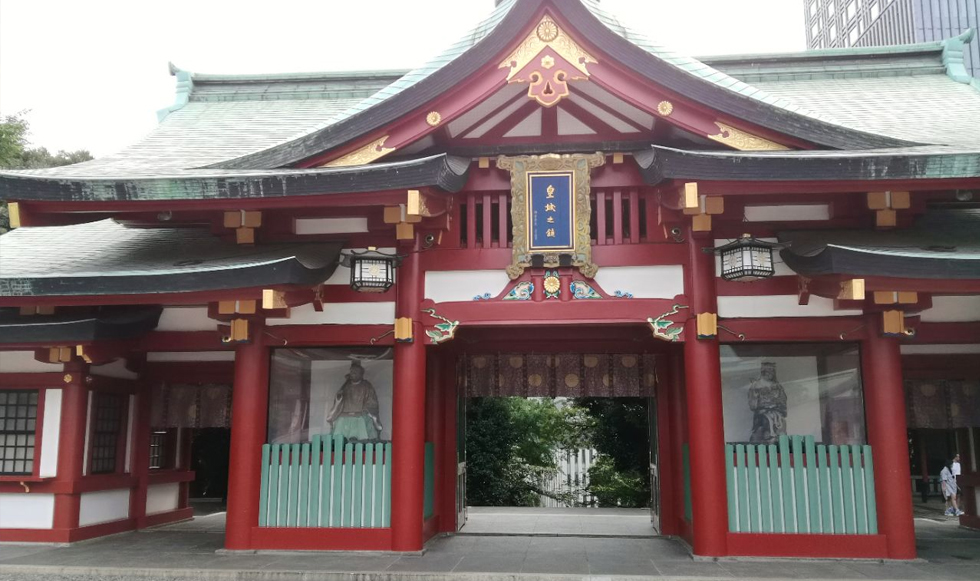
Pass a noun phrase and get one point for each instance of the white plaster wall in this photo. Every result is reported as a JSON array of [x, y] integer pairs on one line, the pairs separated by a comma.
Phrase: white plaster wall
[[644, 282], [88, 432], [103, 506], [185, 319], [24, 362], [129, 433], [116, 369], [330, 225], [191, 356], [939, 349], [953, 309], [780, 267], [50, 433], [341, 276], [370, 313], [26, 511], [463, 285], [787, 213], [162, 498], [767, 306]]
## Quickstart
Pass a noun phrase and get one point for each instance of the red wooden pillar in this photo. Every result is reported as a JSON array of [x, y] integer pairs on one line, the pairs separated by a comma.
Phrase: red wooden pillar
[[705, 419], [678, 437], [249, 417], [666, 467], [447, 475], [408, 415], [71, 452], [140, 467], [884, 403]]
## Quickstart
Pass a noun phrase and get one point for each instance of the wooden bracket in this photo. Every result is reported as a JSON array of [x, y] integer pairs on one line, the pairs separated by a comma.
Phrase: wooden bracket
[[38, 310], [242, 307], [851, 290], [893, 324], [13, 214], [704, 207], [803, 291], [238, 332], [54, 355], [245, 223], [885, 205], [896, 297], [707, 324], [273, 299]]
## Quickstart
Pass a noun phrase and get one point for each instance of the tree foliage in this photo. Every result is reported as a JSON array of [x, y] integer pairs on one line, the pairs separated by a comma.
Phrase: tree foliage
[[16, 153], [620, 434], [510, 446]]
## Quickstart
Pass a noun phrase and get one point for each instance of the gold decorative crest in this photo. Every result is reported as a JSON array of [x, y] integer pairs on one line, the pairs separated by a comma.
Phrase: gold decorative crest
[[743, 141], [433, 118], [545, 85], [370, 152], [580, 165], [665, 108]]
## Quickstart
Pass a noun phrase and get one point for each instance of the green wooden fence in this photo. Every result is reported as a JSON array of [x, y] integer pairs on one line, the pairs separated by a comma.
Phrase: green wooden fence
[[326, 483], [797, 487]]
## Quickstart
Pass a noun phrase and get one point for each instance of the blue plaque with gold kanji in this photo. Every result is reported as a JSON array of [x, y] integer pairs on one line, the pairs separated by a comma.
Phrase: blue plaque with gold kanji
[[550, 210]]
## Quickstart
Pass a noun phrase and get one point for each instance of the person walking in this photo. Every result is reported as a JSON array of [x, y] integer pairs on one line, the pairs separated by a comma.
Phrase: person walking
[[956, 469], [948, 483]]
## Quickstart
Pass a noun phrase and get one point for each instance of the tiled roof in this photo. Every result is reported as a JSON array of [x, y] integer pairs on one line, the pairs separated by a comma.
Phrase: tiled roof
[[106, 257]]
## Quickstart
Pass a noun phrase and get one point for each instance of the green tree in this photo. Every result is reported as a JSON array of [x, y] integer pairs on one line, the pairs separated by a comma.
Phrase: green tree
[[620, 434], [15, 153]]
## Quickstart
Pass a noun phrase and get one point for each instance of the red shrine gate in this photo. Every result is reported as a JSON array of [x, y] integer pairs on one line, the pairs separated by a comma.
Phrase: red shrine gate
[[554, 183]]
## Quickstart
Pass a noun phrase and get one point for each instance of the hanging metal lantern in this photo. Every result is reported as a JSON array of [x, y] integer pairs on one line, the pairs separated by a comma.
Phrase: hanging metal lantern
[[747, 259], [371, 271]]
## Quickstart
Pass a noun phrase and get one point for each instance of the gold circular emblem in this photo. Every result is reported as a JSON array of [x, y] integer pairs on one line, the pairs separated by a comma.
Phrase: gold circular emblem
[[479, 362], [954, 409], [433, 118], [651, 380], [547, 31], [535, 380], [516, 361], [629, 360], [606, 380], [590, 360], [552, 284], [571, 380], [67, 378], [665, 108], [927, 389]]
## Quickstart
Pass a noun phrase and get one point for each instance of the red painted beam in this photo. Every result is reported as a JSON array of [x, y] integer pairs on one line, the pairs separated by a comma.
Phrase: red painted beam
[[553, 312], [793, 329]]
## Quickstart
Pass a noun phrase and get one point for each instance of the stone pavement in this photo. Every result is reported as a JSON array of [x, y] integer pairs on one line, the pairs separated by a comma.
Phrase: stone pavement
[[187, 551], [592, 522]]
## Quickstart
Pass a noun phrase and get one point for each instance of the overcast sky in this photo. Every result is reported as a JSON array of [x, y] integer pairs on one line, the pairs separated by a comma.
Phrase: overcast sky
[[93, 72]]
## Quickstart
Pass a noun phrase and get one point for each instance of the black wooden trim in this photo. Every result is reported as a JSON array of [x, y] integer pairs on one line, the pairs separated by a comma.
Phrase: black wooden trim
[[106, 324], [443, 171], [658, 164]]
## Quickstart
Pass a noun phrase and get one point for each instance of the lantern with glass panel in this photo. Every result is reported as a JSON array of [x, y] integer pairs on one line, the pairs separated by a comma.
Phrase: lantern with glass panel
[[371, 271], [747, 259]]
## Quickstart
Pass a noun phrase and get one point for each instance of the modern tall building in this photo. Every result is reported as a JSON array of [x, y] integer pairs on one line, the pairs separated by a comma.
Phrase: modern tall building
[[846, 23]]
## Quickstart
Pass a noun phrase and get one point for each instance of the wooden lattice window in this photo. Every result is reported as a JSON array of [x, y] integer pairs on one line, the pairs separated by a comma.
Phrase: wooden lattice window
[[106, 430], [161, 455], [18, 424]]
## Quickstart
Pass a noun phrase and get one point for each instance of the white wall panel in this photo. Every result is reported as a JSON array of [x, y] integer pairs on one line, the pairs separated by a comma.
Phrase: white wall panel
[[24, 362], [103, 506], [939, 349], [463, 285], [186, 319], [116, 369], [162, 498], [330, 225], [50, 433], [644, 282], [768, 306], [369, 313], [953, 309], [788, 213], [191, 356], [26, 511]]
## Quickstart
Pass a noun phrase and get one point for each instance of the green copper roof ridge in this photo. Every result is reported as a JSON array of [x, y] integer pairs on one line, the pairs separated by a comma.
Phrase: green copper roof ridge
[[954, 51], [823, 53], [297, 76], [185, 86]]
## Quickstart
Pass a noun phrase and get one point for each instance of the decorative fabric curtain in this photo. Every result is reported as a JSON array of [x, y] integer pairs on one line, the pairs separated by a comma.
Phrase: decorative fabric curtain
[[559, 375], [943, 404], [180, 405]]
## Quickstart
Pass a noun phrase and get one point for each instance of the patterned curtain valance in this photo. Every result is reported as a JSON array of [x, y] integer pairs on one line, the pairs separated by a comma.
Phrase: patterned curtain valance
[[180, 405], [558, 375], [943, 404]]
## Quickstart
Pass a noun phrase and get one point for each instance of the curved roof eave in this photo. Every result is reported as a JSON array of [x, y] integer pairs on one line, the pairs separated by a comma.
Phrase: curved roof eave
[[510, 19]]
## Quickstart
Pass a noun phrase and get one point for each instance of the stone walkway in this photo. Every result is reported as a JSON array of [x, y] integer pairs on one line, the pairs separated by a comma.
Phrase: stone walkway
[[187, 551], [590, 522]]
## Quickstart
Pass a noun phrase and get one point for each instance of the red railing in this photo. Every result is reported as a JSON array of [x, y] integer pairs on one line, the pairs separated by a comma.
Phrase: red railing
[[619, 216]]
